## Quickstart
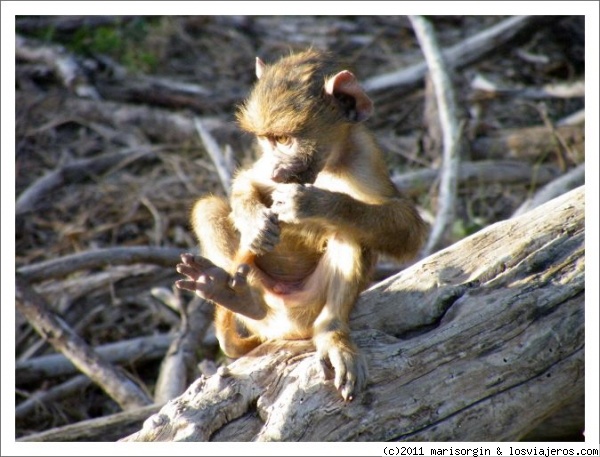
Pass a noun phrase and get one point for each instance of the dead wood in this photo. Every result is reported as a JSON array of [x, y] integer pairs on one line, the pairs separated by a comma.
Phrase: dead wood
[[479, 342], [53, 365], [485, 88], [463, 53], [84, 297], [576, 118], [561, 185], [156, 123], [223, 162], [179, 366], [530, 143], [480, 172], [108, 428], [73, 172], [163, 92], [64, 266], [42, 397], [112, 380], [65, 65], [451, 131]]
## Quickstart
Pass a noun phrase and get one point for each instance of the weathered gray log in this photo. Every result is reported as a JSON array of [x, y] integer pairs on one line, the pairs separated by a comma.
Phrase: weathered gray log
[[479, 342]]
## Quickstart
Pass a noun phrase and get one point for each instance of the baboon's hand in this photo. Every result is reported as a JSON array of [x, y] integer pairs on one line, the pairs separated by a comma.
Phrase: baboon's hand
[[294, 202], [261, 234]]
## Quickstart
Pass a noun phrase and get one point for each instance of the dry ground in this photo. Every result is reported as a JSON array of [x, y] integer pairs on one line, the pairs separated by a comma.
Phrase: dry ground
[[151, 73]]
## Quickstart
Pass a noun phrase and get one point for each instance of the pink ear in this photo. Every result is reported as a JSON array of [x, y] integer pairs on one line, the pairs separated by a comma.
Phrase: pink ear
[[345, 83], [260, 66]]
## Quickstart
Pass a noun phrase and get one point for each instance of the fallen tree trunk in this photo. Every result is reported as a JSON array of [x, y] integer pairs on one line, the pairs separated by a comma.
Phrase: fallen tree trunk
[[479, 342]]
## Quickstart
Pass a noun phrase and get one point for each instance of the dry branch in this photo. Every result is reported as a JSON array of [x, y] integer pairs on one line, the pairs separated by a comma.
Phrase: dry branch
[[574, 178], [479, 342], [112, 380], [528, 143], [156, 123], [163, 92], [223, 163], [73, 172], [560, 90], [576, 118], [178, 368], [54, 393], [108, 428], [451, 129], [53, 365], [480, 172], [64, 64], [461, 54], [66, 265]]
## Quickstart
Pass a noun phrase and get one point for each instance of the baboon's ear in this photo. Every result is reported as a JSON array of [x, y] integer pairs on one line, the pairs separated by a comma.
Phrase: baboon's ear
[[351, 98], [260, 66]]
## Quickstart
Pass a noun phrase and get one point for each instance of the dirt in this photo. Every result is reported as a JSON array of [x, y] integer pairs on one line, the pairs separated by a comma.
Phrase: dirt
[[145, 199]]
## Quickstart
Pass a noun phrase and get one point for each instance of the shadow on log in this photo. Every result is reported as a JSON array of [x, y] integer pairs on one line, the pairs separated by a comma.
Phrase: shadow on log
[[479, 342]]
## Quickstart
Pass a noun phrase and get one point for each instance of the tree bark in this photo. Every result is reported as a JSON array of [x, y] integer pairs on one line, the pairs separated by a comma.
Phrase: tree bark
[[479, 342]]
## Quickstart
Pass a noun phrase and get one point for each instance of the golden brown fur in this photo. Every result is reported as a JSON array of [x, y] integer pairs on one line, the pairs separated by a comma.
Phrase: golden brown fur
[[307, 218]]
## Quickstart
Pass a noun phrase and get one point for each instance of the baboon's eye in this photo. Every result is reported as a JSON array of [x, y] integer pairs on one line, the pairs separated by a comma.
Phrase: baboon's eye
[[283, 140]]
